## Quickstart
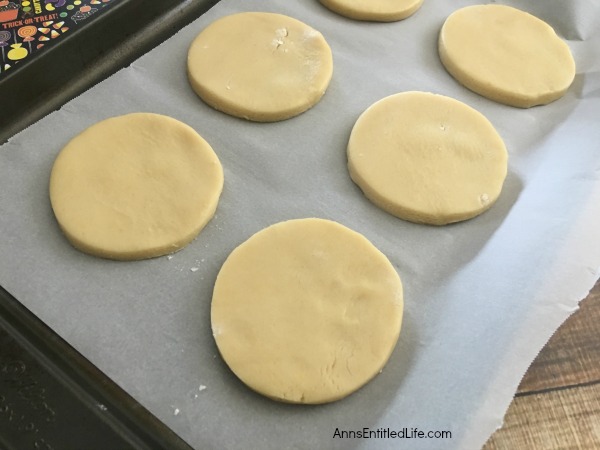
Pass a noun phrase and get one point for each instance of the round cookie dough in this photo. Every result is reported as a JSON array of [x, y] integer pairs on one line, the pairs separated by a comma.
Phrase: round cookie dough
[[427, 158], [506, 55], [260, 66], [135, 186], [306, 311], [374, 10]]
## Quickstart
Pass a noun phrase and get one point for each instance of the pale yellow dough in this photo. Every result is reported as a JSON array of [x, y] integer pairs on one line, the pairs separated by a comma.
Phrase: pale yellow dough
[[306, 311], [427, 158], [506, 55], [260, 66], [135, 186], [374, 10]]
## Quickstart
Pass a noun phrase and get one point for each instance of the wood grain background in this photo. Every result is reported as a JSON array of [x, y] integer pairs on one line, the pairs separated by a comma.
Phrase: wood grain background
[[557, 405]]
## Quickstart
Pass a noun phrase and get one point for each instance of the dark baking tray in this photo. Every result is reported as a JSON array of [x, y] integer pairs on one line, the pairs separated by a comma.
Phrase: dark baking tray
[[49, 78], [51, 397]]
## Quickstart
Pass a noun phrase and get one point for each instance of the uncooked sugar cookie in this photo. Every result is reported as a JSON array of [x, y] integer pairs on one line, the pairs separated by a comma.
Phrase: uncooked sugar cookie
[[427, 158], [374, 10], [306, 311], [506, 55], [260, 66], [135, 186]]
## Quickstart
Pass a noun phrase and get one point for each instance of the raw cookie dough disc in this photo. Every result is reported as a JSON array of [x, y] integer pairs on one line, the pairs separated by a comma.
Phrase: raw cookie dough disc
[[506, 55], [260, 66], [375, 10], [306, 311], [427, 158], [135, 186]]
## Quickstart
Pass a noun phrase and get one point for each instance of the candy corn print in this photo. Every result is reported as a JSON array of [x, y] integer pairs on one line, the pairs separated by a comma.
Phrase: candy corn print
[[29, 26]]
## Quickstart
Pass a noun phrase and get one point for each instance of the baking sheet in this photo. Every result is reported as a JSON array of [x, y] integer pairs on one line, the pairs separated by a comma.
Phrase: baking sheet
[[482, 297]]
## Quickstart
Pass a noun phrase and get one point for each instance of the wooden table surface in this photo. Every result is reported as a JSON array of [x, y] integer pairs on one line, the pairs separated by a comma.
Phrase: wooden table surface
[[557, 405]]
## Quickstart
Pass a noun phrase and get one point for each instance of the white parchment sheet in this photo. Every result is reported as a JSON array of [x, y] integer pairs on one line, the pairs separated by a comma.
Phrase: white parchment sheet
[[482, 297]]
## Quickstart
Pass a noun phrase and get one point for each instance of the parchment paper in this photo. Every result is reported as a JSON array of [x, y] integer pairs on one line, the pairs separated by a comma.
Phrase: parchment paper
[[482, 297]]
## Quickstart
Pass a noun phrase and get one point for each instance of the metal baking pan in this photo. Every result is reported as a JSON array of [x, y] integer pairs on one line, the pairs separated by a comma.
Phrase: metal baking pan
[[51, 397], [110, 40]]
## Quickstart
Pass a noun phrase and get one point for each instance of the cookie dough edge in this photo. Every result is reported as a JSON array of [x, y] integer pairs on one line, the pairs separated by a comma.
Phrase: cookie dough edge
[[411, 215], [504, 97], [399, 300], [343, 10], [408, 214], [228, 107], [137, 255]]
